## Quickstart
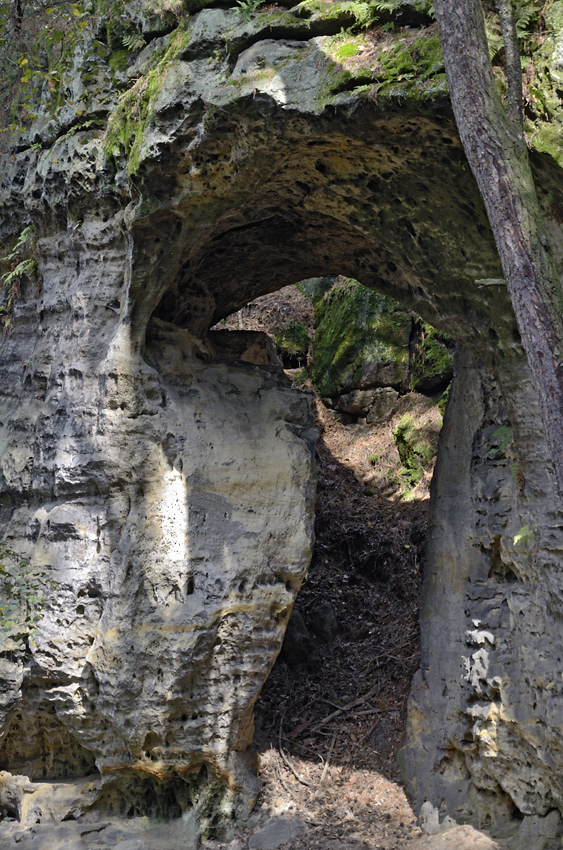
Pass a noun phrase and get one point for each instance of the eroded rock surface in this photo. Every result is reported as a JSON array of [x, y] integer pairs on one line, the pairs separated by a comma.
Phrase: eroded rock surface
[[171, 498], [490, 693], [163, 478]]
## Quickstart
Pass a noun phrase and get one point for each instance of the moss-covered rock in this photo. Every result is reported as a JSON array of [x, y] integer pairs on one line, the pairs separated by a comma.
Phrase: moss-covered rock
[[293, 341], [431, 364], [365, 340], [361, 339], [414, 451]]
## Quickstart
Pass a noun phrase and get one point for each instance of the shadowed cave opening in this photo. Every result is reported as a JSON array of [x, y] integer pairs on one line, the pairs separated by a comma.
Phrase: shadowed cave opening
[[353, 635]]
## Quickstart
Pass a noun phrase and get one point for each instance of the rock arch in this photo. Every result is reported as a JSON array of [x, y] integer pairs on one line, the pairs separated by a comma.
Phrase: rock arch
[[157, 475]]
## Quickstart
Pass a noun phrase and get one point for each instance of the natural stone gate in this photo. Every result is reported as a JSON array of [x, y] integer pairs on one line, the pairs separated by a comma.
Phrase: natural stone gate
[[164, 476]]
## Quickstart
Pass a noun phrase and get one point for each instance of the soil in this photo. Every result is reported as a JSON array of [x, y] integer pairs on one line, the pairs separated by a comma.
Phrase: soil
[[328, 729], [272, 313]]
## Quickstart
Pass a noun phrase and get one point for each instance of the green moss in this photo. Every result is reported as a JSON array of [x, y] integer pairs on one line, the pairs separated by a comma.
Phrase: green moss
[[118, 60], [356, 327], [431, 358], [412, 68], [539, 38], [340, 71], [362, 13], [128, 123], [415, 455], [544, 120], [348, 50], [293, 340], [335, 78], [443, 403], [315, 287], [547, 137], [424, 6]]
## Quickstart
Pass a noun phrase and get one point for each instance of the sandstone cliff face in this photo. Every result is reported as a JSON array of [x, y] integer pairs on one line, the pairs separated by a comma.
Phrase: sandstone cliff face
[[170, 497], [166, 482]]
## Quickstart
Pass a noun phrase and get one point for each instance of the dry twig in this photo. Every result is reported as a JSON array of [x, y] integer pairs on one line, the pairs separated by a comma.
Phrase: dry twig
[[327, 762], [287, 761]]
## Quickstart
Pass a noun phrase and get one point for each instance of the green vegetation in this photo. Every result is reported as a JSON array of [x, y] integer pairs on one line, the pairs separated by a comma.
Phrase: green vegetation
[[44, 48], [356, 327], [431, 358], [443, 403], [524, 535], [364, 336], [293, 341], [248, 8], [301, 377], [412, 67], [347, 50], [361, 13], [538, 27], [21, 265], [37, 44], [127, 125], [502, 437], [415, 454], [118, 60], [528, 15]]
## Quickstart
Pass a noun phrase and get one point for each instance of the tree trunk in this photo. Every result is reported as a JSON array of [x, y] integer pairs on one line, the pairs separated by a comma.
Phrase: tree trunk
[[496, 150], [514, 107]]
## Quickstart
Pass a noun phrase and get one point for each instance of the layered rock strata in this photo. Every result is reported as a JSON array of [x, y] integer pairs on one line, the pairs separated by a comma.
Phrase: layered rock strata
[[168, 494]]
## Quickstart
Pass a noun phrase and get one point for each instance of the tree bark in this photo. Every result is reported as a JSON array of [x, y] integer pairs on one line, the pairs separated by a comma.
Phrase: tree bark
[[496, 150], [512, 61]]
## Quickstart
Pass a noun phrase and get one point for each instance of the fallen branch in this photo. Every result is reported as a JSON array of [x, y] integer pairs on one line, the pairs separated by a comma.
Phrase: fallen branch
[[327, 762], [345, 708], [282, 783], [286, 760]]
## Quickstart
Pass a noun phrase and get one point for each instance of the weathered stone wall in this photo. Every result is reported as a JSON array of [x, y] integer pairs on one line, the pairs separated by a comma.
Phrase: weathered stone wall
[[170, 497], [485, 709], [168, 489]]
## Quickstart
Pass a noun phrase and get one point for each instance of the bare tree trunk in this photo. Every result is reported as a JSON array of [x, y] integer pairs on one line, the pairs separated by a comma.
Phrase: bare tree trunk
[[513, 69], [496, 150]]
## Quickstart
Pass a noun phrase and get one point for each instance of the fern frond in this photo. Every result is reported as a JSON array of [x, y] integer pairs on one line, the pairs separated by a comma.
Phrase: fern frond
[[494, 35], [133, 42]]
